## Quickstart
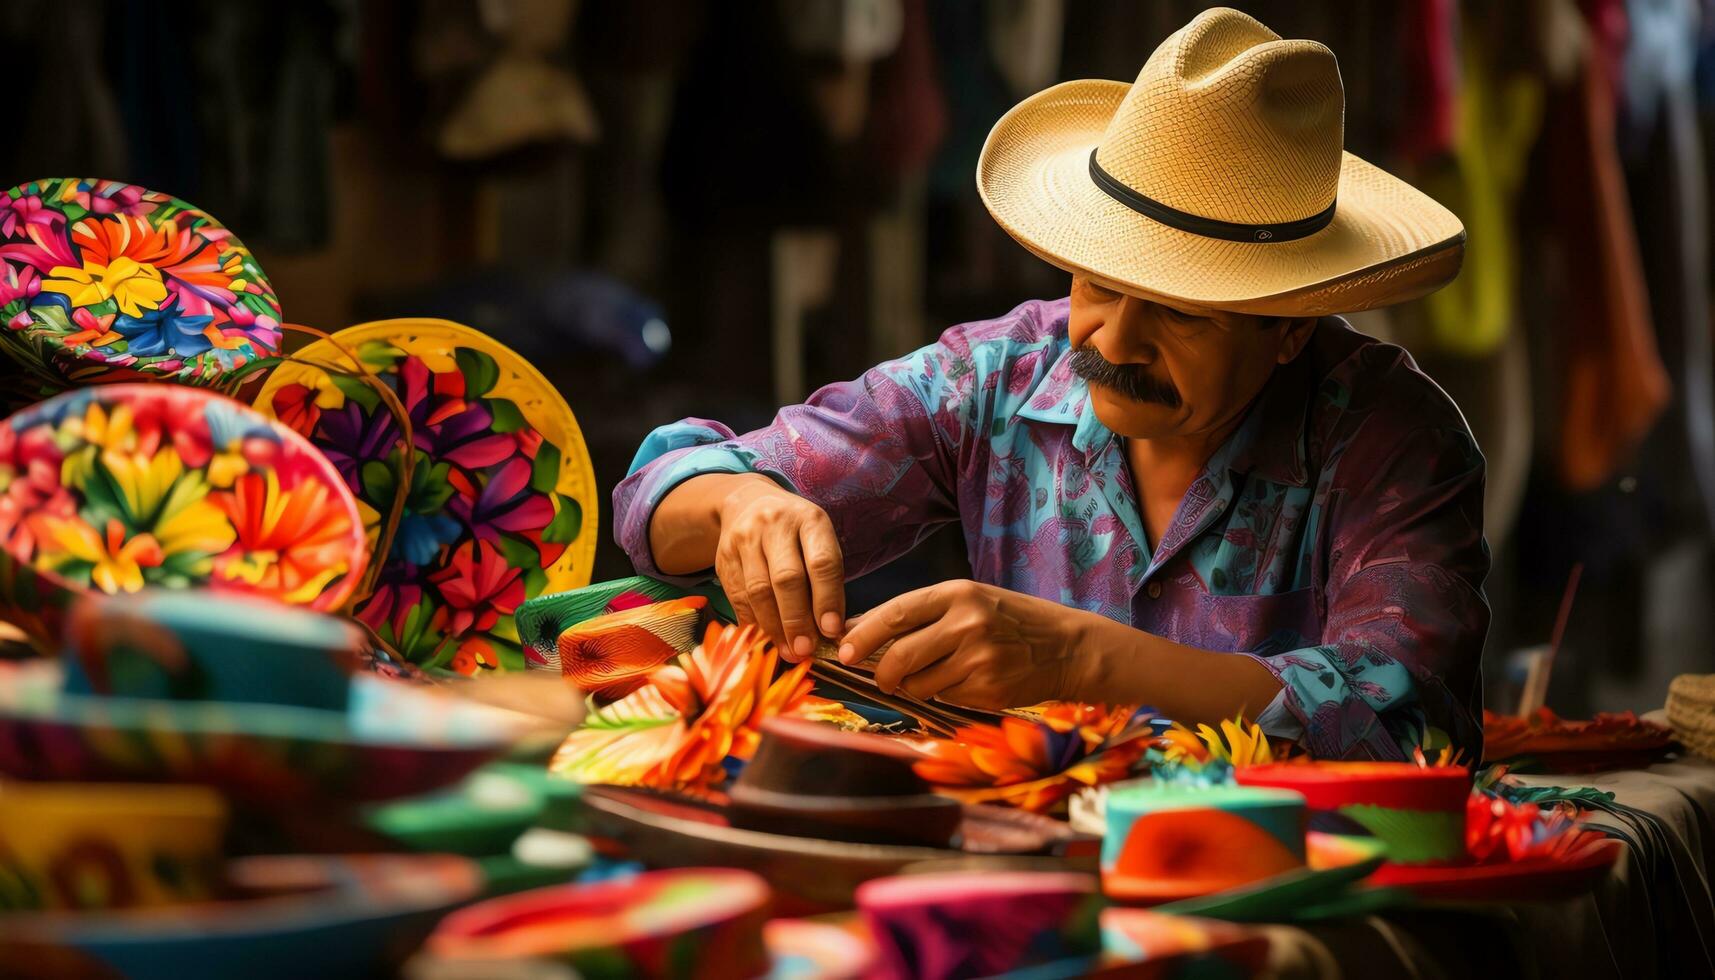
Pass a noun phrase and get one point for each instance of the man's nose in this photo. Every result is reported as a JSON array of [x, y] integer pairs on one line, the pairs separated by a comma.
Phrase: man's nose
[[1131, 337]]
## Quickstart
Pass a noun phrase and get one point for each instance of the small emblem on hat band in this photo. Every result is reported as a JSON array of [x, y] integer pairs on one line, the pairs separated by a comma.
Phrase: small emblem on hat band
[[1230, 231]]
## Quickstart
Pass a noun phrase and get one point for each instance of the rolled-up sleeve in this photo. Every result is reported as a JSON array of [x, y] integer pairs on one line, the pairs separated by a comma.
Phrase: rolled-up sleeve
[[1404, 561], [878, 453]]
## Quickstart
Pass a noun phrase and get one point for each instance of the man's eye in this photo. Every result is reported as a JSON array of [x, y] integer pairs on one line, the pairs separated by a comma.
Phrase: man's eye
[[1099, 292]]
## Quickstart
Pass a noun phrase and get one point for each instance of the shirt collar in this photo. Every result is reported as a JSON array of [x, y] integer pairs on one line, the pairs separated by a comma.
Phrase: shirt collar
[[1063, 398], [1270, 442]]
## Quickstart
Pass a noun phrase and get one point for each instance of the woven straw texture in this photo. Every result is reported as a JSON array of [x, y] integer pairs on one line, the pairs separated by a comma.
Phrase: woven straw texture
[[1691, 712], [1225, 121]]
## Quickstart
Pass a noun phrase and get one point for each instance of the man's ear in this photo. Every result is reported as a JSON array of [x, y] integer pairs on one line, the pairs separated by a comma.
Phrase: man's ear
[[1295, 332]]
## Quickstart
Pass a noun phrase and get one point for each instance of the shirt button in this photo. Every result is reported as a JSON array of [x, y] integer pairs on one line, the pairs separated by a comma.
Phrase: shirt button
[[1154, 590]]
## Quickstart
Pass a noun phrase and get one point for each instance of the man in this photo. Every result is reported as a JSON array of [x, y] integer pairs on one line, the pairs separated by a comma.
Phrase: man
[[1183, 485]]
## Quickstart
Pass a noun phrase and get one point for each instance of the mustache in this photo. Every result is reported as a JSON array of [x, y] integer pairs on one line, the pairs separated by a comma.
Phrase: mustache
[[1130, 380]]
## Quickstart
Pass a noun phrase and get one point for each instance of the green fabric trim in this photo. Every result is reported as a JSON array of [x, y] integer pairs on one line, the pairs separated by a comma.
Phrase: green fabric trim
[[1412, 836]]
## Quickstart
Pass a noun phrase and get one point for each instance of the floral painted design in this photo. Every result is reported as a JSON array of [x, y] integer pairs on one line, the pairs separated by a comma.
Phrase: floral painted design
[[102, 280], [1209, 755], [680, 729], [1036, 763], [500, 503], [124, 486]]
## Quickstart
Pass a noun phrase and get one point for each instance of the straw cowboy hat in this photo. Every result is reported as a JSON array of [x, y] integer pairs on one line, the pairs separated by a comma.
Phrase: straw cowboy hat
[[1216, 181]]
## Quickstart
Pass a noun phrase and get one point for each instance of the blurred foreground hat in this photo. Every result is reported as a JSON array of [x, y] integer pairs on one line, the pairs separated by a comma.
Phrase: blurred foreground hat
[[1217, 180]]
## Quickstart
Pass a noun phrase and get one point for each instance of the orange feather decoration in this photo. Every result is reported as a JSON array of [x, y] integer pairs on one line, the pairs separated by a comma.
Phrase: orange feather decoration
[[678, 730], [1035, 763]]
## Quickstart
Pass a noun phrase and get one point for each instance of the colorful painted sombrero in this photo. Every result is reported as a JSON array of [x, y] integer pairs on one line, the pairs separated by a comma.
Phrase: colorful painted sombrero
[[496, 502], [1418, 812], [1570, 871], [94, 847], [483, 815], [1546, 742], [950, 925], [1513, 851], [678, 923], [292, 917], [612, 655], [689, 922], [542, 619], [1327, 886], [113, 488], [105, 281], [1226, 851], [671, 830], [392, 740], [1442, 841]]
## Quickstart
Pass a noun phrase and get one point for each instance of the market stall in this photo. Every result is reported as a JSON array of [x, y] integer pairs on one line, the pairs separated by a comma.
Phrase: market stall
[[303, 670]]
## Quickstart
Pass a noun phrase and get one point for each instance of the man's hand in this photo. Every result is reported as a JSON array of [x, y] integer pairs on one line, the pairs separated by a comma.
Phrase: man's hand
[[781, 565], [972, 644]]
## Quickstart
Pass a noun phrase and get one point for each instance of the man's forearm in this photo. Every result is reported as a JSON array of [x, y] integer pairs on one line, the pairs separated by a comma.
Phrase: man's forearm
[[1123, 665], [685, 529]]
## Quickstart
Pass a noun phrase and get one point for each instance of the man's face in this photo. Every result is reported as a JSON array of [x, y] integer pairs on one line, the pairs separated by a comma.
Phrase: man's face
[[1159, 373]]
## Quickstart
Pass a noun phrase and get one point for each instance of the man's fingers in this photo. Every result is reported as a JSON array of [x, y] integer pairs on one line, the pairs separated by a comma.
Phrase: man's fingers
[[826, 566], [928, 681], [972, 692], [912, 653], [730, 570], [893, 618], [758, 592], [791, 593]]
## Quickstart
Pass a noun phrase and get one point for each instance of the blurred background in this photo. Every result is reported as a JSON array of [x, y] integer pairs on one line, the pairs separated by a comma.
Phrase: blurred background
[[680, 207]]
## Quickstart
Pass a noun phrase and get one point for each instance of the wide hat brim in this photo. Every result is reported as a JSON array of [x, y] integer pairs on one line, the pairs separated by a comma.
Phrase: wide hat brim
[[663, 829], [1388, 242]]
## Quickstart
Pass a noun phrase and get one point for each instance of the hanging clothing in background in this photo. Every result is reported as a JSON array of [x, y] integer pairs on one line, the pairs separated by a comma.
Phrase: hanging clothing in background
[[908, 112], [1613, 385], [977, 94], [66, 120], [974, 267], [1430, 59], [1469, 340], [907, 122], [238, 124], [1025, 40], [166, 114], [1499, 115], [745, 145], [631, 55], [266, 83], [1665, 166], [525, 96], [1594, 498]]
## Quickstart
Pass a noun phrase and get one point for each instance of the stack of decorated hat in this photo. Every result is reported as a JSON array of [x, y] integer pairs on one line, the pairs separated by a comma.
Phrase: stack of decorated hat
[[414, 475], [1422, 817], [670, 924], [461, 470], [823, 810], [1416, 812], [1236, 852], [240, 701]]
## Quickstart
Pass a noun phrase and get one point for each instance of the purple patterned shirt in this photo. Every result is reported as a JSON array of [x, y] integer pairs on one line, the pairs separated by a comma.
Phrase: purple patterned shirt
[[1336, 537]]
